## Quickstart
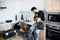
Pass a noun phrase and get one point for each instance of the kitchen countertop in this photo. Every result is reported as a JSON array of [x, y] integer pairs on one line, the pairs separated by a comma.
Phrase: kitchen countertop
[[9, 23], [7, 26]]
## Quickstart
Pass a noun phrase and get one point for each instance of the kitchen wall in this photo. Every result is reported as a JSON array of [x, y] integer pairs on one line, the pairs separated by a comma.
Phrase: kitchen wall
[[12, 9], [26, 5], [18, 7]]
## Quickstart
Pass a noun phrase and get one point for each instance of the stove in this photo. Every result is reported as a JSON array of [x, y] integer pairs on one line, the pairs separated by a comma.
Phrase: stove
[[53, 25], [53, 31]]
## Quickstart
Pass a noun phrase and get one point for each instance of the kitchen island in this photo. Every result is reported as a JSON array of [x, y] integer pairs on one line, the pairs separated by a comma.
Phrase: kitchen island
[[8, 26]]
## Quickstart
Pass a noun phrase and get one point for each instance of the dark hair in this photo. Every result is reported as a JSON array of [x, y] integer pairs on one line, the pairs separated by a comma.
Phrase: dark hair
[[33, 8]]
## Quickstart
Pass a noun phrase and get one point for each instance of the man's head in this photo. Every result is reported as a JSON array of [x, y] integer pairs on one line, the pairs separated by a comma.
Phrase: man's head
[[37, 19], [34, 10]]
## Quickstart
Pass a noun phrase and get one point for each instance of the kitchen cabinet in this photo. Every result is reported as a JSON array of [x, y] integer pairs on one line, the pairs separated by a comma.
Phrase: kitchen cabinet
[[7, 26], [42, 35], [53, 5]]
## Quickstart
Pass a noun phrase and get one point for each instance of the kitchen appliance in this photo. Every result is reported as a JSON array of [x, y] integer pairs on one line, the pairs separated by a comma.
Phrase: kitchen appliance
[[8, 21], [53, 32], [54, 17], [16, 18], [22, 18], [3, 7], [53, 26]]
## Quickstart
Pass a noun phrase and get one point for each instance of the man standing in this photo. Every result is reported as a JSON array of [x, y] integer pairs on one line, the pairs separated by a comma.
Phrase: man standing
[[36, 27], [39, 17], [38, 13]]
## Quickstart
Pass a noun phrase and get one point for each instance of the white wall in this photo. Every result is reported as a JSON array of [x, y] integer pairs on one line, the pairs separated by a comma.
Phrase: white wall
[[12, 9], [16, 6], [27, 4]]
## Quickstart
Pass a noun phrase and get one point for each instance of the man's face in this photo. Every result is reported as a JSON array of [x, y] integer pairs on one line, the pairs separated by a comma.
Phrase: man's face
[[35, 11]]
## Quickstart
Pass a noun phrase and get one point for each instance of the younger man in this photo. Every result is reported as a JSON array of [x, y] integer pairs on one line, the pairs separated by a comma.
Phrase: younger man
[[36, 27]]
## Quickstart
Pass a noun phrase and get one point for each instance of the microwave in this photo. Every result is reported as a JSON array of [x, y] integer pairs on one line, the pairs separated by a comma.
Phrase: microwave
[[54, 17]]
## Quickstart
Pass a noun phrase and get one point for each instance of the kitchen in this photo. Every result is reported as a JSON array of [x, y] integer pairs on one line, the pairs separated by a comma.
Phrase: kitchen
[[11, 12], [53, 20]]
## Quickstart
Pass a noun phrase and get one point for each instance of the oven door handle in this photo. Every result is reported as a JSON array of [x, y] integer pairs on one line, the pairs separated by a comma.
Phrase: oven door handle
[[53, 30]]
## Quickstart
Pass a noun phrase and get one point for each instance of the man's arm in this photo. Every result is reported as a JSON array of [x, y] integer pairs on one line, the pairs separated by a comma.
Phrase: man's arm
[[41, 15]]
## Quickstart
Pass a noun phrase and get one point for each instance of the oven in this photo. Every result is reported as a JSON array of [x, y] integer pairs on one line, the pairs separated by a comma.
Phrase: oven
[[54, 17], [52, 32]]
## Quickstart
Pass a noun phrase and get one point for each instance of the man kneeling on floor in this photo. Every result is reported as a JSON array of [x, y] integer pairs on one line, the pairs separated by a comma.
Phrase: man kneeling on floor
[[36, 27]]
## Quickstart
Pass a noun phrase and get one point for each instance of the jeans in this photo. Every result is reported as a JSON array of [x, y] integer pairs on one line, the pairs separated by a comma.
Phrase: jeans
[[36, 34], [30, 36]]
